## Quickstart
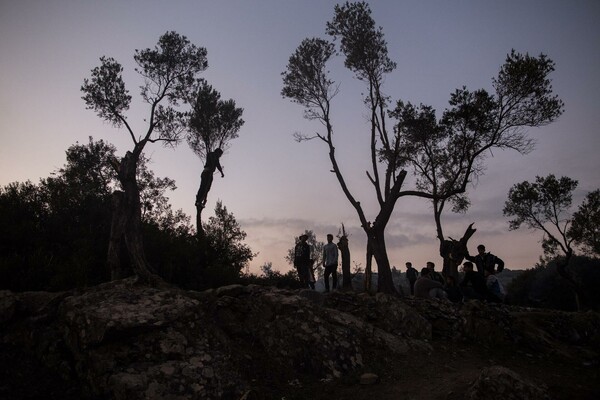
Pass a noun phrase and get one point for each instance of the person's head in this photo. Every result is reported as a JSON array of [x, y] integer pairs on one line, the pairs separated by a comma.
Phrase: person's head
[[430, 265], [425, 272], [450, 281], [303, 238], [408, 265], [481, 249], [468, 266], [329, 238]]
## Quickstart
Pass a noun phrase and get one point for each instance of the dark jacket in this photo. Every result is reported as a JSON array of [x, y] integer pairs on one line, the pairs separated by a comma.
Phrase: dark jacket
[[301, 255], [476, 281], [487, 261]]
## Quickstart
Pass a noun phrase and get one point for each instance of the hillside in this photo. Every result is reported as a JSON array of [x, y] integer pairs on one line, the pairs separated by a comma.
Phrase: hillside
[[126, 341]]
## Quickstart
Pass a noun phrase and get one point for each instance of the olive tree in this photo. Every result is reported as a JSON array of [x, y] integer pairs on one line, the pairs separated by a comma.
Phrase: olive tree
[[448, 155], [169, 70], [544, 206], [444, 155]]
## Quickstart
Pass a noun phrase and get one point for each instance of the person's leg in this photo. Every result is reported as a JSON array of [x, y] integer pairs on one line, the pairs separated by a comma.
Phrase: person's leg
[[438, 293], [326, 278], [334, 276], [205, 184]]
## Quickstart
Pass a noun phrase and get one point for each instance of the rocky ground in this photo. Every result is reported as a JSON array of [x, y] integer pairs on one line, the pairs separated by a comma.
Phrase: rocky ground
[[125, 341]]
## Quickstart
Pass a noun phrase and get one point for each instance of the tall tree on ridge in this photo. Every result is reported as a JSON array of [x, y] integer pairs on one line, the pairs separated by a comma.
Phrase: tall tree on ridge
[[476, 121], [170, 71]]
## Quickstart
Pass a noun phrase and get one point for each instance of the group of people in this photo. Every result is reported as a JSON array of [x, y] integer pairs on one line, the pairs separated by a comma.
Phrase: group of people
[[481, 284], [304, 263]]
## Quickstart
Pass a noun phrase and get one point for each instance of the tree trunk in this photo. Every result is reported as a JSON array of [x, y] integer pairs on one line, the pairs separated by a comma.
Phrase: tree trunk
[[127, 224], [368, 268], [562, 268], [345, 254], [454, 251], [199, 229], [115, 264], [385, 283]]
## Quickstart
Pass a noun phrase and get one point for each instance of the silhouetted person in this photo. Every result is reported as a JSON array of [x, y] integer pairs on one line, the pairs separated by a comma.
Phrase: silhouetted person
[[330, 262], [485, 260], [206, 178], [411, 275], [452, 290], [495, 290], [302, 260], [473, 284], [427, 288], [436, 276]]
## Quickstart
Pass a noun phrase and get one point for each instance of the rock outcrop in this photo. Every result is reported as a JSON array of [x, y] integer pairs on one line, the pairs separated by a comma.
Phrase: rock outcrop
[[121, 340]]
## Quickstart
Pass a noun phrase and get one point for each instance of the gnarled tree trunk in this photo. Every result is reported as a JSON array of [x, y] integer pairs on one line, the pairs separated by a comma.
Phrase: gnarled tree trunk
[[454, 251], [127, 224]]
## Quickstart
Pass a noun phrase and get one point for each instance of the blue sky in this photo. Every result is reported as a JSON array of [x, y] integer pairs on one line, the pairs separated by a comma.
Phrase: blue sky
[[276, 187]]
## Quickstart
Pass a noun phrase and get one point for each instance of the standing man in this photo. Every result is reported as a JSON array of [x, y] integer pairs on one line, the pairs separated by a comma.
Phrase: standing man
[[206, 178], [412, 275], [330, 262], [302, 261], [486, 261]]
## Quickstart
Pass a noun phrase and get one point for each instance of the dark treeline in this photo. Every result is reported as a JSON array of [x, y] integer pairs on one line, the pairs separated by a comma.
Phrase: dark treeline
[[542, 286], [54, 235]]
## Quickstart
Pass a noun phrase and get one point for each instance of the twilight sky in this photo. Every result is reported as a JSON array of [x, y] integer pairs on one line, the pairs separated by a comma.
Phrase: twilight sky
[[276, 187]]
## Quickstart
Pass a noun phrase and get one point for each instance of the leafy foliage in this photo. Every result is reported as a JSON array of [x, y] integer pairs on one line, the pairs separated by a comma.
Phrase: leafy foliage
[[586, 224], [316, 251], [271, 277], [54, 235], [213, 122], [225, 255], [543, 205], [445, 155], [542, 286]]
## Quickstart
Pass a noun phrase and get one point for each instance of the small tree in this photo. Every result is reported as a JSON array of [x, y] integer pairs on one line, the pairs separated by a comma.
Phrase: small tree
[[227, 254], [214, 123], [169, 70], [544, 205]]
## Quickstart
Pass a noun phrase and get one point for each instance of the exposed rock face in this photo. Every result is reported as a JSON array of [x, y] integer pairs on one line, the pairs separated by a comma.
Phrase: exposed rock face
[[499, 383], [125, 341]]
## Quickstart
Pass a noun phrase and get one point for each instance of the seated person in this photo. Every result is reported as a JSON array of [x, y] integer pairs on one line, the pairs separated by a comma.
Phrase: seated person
[[427, 288], [452, 290], [495, 290], [473, 285]]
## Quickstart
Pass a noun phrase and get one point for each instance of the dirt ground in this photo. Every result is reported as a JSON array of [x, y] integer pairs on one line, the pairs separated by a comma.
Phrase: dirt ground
[[445, 374], [450, 370]]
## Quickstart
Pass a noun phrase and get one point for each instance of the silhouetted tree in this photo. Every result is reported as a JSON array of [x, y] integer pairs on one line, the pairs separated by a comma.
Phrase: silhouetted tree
[[55, 234], [544, 205], [542, 286], [585, 226], [170, 71], [226, 254], [445, 155], [345, 257], [214, 123]]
